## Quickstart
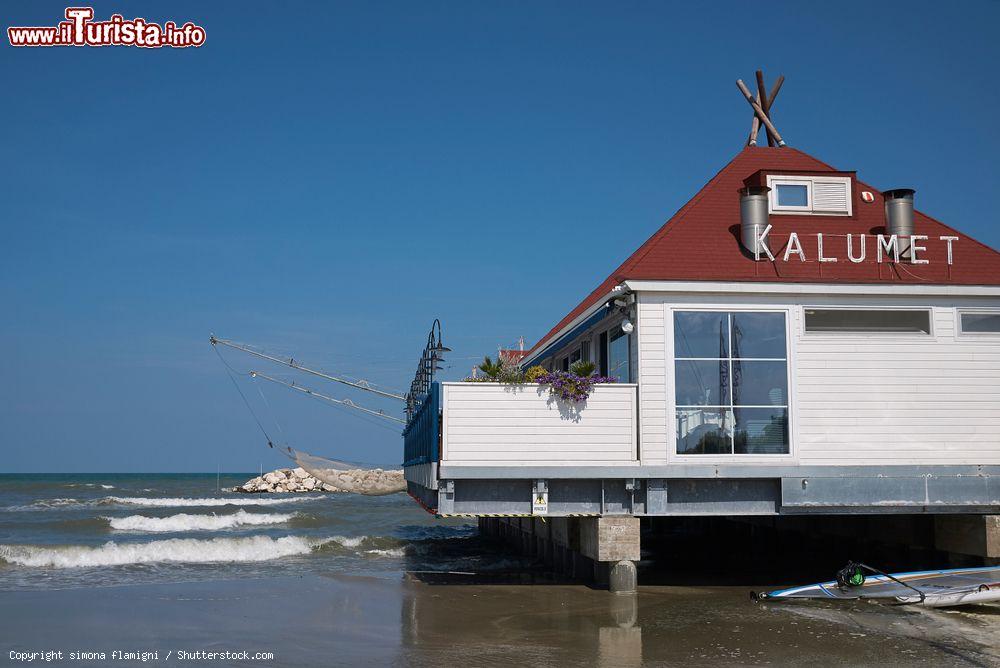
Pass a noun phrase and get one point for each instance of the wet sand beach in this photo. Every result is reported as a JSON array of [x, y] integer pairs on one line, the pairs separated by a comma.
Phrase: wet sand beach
[[362, 621]]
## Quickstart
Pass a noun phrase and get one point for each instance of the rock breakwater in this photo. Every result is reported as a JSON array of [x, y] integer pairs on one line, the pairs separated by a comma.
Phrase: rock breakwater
[[362, 481]]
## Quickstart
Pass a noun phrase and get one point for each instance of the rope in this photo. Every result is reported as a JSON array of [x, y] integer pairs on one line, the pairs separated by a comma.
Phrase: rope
[[921, 594], [231, 373], [270, 411], [355, 414]]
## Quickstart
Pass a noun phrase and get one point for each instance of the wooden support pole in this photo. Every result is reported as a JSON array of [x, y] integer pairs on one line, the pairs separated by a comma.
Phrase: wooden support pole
[[774, 93], [760, 112], [754, 128], [764, 103]]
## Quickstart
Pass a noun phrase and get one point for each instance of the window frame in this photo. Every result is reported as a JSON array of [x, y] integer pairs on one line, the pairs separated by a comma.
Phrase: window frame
[[868, 332], [775, 180], [671, 359], [959, 312], [566, 361], [787, 208], [610, 333]]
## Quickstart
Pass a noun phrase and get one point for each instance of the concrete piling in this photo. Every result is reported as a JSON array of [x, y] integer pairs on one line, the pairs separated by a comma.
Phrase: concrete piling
[[622, 578], [977, 535], [596, 549]]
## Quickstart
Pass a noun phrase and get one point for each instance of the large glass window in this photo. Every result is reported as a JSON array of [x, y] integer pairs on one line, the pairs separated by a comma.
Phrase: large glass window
[[618, 355], [731, 382]]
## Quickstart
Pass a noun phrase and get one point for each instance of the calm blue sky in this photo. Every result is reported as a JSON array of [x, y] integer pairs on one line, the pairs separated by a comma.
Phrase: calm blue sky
[[323, 179]]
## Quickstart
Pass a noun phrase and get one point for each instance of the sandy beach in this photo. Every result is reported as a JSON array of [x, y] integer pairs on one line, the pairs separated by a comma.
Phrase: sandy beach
[[340, 620]]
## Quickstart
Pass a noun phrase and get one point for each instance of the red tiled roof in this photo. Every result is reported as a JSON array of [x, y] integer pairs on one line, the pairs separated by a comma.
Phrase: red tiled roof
[[701, 241], [513, 355]]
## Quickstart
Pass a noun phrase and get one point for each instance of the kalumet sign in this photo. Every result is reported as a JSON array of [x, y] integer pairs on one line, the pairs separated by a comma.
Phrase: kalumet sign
[[856, 247]]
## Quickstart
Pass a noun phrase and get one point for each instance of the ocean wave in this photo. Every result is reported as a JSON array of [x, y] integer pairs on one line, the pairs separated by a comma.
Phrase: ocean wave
[[165, 502], [174, 550], [186, 522], [392, 552], [45, 504], [353, 541], [384, 546], [153, 502]]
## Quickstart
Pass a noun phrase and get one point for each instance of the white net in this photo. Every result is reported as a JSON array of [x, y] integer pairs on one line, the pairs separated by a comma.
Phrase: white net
[[349, 477]]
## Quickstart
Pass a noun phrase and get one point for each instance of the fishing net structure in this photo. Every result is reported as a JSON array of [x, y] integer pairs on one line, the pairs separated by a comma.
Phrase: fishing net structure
[[349, 477], [344, 476]]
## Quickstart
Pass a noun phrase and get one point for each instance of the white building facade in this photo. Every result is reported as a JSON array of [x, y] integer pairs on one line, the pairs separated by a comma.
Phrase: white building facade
[[821, 349]]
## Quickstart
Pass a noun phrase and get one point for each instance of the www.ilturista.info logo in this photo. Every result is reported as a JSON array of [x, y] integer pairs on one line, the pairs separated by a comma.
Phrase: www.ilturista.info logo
[[79, 29]]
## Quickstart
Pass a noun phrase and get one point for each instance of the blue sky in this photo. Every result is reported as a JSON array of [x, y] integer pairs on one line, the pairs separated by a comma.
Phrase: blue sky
[[323, 179]]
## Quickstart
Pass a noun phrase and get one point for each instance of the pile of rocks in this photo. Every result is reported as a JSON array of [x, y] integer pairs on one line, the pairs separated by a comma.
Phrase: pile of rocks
[[299, 480]]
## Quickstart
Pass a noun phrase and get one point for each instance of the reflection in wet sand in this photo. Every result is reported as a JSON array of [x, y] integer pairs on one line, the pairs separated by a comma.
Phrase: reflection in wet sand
[[621, 644], [560, 624]]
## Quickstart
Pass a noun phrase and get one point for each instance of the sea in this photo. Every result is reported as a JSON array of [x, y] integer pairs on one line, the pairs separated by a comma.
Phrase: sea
[[65, 531]]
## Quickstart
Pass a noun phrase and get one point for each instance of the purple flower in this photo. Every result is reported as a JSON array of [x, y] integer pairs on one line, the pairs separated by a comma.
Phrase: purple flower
[[568, 386]]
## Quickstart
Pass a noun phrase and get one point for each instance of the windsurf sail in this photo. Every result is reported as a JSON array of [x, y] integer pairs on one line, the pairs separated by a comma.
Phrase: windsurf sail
[[934, 589]]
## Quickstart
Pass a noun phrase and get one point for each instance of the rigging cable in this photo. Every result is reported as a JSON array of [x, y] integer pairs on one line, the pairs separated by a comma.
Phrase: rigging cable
[[291, 362], [359, 416], [339, 402], [230, 372], [270, 411]]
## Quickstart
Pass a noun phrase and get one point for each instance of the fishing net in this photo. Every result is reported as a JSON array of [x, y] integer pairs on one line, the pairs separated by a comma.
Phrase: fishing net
[[348, 476]]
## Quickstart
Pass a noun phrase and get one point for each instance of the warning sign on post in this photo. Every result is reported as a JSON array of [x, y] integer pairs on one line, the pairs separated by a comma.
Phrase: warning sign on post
[[540, 506]]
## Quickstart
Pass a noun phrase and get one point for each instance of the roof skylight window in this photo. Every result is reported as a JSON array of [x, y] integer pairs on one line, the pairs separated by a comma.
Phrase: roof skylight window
[[792, 194], [813, 195]]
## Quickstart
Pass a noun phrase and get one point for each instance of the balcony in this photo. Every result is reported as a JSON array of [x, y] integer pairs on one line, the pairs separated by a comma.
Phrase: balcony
[[492, 424]]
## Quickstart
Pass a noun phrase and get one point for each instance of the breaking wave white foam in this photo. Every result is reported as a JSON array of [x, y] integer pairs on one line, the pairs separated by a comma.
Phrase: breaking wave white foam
[[174, 550], [186, 522], [394, 552], [352, 541], [379, 546]]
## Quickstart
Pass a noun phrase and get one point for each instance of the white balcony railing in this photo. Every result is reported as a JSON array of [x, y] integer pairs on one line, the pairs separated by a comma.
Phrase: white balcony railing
[[492, 424]]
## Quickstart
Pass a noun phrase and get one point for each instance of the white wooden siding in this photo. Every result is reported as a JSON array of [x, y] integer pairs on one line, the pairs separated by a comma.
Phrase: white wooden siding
[[652, 377], [871, 399], [494, 424]]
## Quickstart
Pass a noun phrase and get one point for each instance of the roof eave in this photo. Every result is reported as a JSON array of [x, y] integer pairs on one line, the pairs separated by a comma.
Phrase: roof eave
[[538, 352], [810, 288]]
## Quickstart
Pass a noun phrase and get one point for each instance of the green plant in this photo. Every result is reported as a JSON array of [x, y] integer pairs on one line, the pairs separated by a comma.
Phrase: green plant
[[582, 368], [503, 370], [490, 368], [534, 373]]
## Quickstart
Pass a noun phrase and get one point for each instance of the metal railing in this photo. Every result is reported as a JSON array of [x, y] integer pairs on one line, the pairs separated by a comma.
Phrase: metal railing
[[422, 435]]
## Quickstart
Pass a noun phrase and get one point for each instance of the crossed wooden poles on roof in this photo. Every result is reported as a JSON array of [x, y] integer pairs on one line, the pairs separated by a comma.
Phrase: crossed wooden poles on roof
[[762, 103]]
